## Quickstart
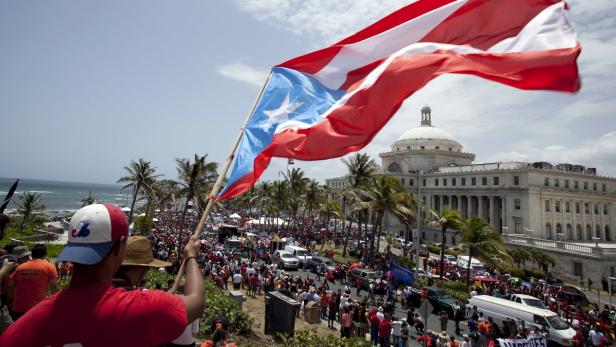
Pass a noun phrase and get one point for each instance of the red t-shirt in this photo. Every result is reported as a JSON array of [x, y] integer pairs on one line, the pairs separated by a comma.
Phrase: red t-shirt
[[100, 315]]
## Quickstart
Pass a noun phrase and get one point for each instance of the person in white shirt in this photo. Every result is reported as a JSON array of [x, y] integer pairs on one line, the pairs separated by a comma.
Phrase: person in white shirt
[[396, 331], [189, 335], [237, 281], [595, 336], [466, 342]]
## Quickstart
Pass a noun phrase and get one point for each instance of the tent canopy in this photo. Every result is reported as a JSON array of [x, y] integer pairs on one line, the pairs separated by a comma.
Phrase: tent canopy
[[235, 216]]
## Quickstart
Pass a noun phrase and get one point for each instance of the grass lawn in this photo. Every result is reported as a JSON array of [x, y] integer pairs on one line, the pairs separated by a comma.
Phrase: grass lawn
[[338, 258], [52, 250]]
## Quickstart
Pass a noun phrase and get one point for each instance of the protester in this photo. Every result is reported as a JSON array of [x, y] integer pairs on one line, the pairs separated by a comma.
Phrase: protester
[[30, 282], [97, 313]]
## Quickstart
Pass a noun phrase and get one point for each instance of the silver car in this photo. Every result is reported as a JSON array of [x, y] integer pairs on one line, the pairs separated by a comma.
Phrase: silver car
[[287, 260]]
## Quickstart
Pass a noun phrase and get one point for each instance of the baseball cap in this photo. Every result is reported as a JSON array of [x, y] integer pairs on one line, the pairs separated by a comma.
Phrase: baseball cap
[[92, 232]]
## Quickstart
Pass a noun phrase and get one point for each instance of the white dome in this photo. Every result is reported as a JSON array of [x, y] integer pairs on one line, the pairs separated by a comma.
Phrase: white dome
[[426, 133]]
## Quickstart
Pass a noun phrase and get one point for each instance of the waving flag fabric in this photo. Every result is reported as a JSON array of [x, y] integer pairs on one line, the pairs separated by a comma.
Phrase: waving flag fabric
[[335, 100]]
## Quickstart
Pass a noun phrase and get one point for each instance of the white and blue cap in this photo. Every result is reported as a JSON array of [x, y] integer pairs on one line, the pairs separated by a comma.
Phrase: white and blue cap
[[92, 232]]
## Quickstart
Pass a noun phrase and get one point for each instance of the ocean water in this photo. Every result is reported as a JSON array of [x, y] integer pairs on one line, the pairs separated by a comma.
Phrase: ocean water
[[63, 197]]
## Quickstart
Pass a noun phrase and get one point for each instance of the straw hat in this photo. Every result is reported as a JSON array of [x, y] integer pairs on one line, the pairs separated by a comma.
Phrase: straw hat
[[139, 253]]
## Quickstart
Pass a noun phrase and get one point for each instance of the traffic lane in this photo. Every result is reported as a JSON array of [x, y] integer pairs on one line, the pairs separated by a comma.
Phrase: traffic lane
[[433, 322]]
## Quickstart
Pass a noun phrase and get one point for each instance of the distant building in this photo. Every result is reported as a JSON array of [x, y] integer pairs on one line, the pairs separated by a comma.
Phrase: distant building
[[565, 209]]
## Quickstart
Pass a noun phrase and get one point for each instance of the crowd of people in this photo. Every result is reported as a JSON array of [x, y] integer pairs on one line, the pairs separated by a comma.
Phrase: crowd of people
[[384, 310]]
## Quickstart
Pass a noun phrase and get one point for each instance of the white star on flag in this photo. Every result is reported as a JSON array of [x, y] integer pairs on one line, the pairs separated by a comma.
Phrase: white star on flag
[[281, 113]]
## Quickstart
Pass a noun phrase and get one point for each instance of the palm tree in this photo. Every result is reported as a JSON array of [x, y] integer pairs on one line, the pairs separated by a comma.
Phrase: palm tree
[[407, 215], [361, 170], [141, 175], [281, 197], [448, 219], [519, 256], [296, 183], [534, 257], [88, 200], [482, 242], [385, 195], [193, 176], [27, 205], [313, 197], [544, 261]]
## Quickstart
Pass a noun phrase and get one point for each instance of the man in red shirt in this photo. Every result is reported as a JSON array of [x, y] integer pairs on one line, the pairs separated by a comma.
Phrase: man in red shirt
[[385, 330], [91, 312], [29, 283]]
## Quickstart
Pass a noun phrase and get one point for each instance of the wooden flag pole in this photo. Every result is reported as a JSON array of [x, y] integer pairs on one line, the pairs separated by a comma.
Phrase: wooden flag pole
[[223, 173]]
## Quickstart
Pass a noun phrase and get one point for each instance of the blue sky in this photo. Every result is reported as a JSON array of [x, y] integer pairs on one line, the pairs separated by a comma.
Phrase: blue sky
[[86, 86]]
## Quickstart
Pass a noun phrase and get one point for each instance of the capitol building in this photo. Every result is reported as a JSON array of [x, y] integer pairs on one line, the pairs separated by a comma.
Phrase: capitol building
[[566, 210]]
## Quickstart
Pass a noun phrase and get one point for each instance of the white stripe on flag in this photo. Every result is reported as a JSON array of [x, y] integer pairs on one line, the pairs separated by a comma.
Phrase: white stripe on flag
[[356, 55]]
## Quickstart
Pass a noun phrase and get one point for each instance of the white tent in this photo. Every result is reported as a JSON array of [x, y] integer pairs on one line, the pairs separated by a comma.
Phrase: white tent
[[235, 216], [266, 220], [125, 209]]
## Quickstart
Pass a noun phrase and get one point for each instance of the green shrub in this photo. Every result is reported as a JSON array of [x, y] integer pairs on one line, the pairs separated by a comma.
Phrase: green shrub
[[154, 277], [309, 338], [142, 225], [407, 262], [537, 274], [218, 303]]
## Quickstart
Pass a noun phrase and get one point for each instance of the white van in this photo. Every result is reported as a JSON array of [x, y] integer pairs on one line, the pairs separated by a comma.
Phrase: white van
[[298, 252], [476, 265], [500, 309]]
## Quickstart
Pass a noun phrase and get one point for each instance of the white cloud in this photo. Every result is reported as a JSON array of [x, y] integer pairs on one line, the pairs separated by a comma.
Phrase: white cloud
[[320, 21], [243, 73]]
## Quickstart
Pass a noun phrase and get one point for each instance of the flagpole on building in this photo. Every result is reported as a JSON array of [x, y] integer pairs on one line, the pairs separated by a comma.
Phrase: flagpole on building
[[223, 173]]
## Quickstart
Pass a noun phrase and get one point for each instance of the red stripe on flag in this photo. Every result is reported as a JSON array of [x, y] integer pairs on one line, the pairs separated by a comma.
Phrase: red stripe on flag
[[483, 23]]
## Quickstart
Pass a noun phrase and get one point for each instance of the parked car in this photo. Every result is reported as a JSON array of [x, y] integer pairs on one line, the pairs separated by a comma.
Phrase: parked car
[[287, 260], [423, 251], [365, 275], [438, 298], [572, 295], [315, 262], [451, 259], [551, 279], [298, 252]]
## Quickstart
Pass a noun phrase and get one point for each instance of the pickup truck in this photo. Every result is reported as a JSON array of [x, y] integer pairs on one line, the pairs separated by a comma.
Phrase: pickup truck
[[528, 300], [437, 297]]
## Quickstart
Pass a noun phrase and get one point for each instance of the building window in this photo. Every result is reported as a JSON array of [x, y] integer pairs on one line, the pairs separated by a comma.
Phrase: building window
[[453, 181], [436, 182], [588, 232], [394, 167], [463, 179], [422, 147], [557, 205], [496, 180], [402, 180], [473, 181], [597, 231], [585, 185], [517, 225], [424, 182], [547, 206], [450, 149], [411, 182], [604, 187], [576, 185], [484, 181], [577, 269], [548, 231], [444, 182], [605, 210], [567, 206], [577, 207], [437, 147], [596, 209], [578, 230], [586, 208], [556, 182], [608, 235], [516, 180], [546, 181], [408, 148], [566, 183], [516, 204], [594, 187]]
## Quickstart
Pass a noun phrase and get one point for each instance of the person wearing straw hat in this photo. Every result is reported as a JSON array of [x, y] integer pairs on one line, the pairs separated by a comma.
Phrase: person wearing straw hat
[[90, 312], [137, 261]]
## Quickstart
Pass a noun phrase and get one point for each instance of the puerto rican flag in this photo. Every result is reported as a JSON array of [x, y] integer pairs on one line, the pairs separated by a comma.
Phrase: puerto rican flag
[[333, 101]]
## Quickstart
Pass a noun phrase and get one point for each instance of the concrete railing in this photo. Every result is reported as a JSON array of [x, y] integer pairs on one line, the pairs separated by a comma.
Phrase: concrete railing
[[568, 247]]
